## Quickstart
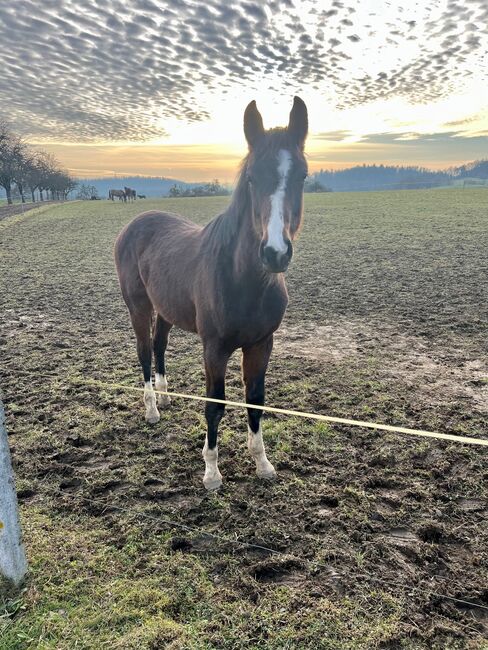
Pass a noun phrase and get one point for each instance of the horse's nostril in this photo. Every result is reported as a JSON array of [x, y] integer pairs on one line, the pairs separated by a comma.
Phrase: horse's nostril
[[269, 253], [274, 259], [289, 249]]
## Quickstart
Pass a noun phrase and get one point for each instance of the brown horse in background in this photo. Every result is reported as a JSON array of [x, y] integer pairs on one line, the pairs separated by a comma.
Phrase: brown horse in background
[[120, 194], [224, 281], [130, 194]]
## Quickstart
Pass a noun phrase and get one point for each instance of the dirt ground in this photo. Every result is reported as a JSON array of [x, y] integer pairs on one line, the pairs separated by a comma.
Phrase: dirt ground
[[20, 208], [387, 322]]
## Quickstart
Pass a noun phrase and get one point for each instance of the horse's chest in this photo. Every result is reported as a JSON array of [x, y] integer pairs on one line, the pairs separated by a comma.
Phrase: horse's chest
[[252, 318]]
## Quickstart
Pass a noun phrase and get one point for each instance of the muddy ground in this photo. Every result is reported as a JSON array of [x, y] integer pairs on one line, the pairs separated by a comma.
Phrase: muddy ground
[[387, 322]]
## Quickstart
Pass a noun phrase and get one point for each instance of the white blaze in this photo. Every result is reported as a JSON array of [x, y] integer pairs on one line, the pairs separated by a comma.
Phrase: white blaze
[[276, 221]]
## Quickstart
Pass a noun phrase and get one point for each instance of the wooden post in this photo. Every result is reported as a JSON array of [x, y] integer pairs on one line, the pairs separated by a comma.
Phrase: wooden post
[[13, 565]]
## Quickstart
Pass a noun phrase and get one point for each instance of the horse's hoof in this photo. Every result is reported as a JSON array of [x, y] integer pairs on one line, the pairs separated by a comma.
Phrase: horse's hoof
[[212, 483], [153, 418], [268, 473], [164, 401]]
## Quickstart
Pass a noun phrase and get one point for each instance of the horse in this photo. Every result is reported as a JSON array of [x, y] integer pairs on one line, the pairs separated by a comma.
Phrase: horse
[[130, 194], [119, 193], [224, 281], [141, 196]]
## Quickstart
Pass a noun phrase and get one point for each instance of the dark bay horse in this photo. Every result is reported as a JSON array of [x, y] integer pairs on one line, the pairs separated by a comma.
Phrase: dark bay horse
[[130, 194], [117, 193], [224, 281]]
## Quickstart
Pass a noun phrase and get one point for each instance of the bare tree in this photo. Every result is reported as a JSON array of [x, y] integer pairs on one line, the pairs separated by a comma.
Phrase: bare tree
[[22, 168], [34, 174], [39, 173], [70, 186], [87, 192], [47, 165], [33, 170], [12, 151], [60, 184]]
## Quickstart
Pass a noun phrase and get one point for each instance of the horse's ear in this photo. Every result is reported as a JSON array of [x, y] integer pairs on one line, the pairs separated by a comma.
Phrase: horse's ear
[[253, 124], [298, 124]]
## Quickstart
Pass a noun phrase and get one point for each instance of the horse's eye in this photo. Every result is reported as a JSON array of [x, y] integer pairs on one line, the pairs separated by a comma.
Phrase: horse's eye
[[305, 175]]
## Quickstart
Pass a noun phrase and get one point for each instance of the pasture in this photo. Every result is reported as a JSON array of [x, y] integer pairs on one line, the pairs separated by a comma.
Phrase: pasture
[[387, 321]]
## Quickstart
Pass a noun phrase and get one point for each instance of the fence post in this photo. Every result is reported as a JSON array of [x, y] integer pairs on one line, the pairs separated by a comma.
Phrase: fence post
[[13, 564]]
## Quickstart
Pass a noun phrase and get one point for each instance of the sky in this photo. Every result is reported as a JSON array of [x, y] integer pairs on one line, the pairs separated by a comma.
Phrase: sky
[[159, 87]]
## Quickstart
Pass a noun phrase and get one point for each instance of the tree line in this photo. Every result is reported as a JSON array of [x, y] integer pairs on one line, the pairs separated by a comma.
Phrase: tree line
[[27, 171], [475, 169], [201, 189], [381, 177]]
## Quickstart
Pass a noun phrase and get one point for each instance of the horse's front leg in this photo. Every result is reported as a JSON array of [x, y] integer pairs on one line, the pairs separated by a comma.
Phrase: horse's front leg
[[254, 364], [215, 366]]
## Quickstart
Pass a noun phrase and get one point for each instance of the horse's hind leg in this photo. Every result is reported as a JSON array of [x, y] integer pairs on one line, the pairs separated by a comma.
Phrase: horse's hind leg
[[160, 342], [254, 364], [141, 322]]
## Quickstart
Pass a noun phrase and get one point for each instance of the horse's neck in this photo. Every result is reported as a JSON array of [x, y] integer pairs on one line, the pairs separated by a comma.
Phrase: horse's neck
[[233, 234], [248, 268]]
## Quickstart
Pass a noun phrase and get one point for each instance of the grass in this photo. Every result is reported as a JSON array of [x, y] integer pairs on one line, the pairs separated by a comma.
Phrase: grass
[[386, 321]]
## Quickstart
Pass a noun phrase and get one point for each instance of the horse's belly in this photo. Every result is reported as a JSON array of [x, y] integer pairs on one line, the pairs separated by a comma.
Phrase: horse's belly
[[185, 320], [176, 309]]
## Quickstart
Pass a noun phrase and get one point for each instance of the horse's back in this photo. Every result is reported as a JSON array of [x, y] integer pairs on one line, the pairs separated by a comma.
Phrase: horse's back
[[153, 230]]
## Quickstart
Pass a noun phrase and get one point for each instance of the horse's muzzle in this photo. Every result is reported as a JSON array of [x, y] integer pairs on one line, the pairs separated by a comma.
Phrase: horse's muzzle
[[274, 261]]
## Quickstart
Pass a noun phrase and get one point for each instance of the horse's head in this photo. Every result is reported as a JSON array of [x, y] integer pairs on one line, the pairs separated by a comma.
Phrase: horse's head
[[275, 171]]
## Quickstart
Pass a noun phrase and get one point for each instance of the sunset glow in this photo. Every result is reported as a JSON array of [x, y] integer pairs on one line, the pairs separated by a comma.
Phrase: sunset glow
[[159, 88]]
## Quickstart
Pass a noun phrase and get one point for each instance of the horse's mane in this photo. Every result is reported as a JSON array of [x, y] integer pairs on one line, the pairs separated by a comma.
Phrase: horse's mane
[[223, 230]]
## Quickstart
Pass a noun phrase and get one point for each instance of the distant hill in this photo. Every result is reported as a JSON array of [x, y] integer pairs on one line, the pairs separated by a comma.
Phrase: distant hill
[[381, 177], [360, 178], [387, 177]]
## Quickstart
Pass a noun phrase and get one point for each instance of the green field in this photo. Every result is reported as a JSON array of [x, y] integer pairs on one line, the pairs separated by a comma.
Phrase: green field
[[387, 321]]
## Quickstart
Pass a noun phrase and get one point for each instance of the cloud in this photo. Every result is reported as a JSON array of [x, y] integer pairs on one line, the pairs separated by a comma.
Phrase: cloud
[[436, 150], [333, 136], [410, 138], [82, 70], [463, 122], [434, 145]]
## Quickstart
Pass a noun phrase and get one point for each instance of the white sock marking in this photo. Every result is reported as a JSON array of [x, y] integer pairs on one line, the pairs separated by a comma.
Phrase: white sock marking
[[276, 220], [152, 413], [161, 383], [212, 478], [264, 469]]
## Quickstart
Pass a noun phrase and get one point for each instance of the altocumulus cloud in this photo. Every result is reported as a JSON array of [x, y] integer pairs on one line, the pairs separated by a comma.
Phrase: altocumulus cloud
[[84, 70]]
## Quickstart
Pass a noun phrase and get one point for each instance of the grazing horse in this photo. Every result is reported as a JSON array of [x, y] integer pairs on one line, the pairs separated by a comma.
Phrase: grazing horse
[[141, 196], [119, 193], [130, 195], [224, 281]]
